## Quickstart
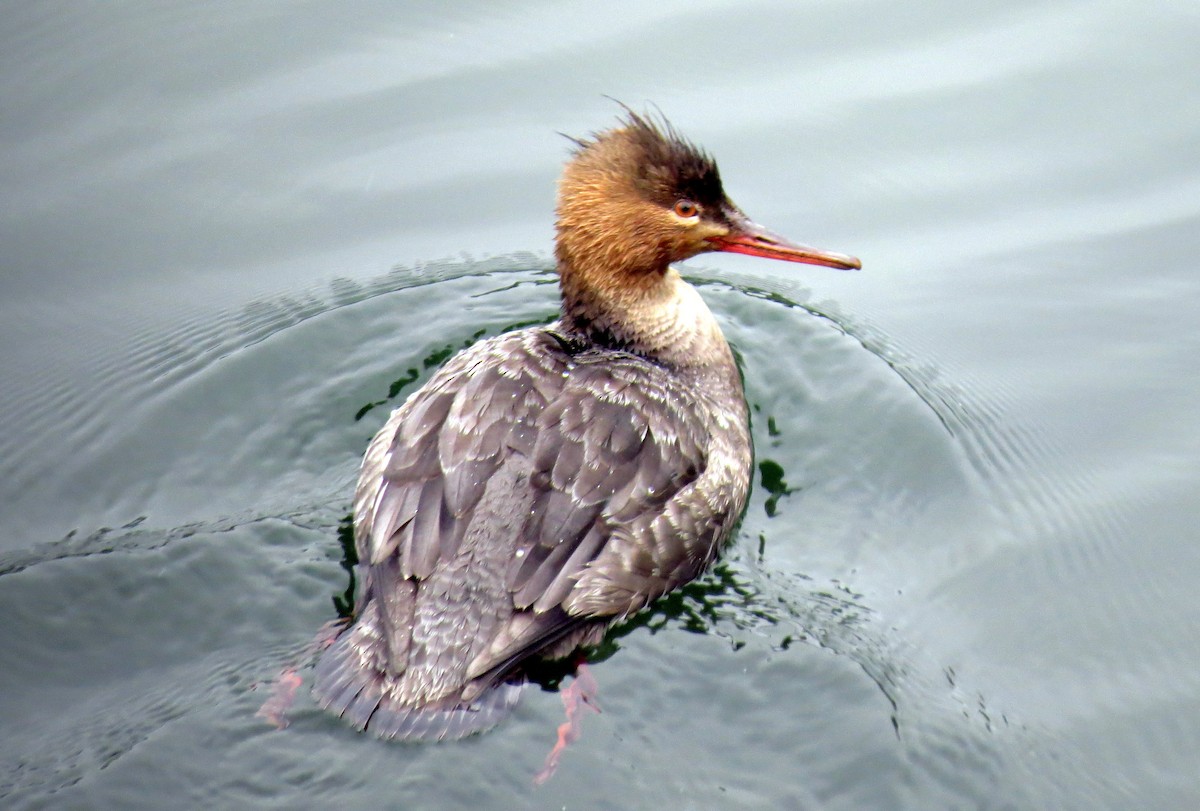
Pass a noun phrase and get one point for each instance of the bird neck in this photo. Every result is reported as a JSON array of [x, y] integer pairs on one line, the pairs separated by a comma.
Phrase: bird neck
[[652, 313]]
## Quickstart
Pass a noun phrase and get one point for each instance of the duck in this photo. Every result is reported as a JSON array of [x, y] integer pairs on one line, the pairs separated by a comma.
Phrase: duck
[[550, 481]]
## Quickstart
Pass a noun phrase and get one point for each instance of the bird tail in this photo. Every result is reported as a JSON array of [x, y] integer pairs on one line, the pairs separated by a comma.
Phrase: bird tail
[[349, 685]]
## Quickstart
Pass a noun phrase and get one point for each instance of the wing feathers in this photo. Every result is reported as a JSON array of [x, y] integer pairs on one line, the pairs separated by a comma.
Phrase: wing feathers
[[607, 447]]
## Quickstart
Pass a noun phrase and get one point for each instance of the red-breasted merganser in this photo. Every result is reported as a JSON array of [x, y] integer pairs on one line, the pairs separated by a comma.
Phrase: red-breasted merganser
[[550, 481]]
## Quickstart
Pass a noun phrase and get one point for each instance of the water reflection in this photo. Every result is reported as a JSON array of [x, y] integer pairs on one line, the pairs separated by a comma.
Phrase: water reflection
[[431, 361], [771, 479]]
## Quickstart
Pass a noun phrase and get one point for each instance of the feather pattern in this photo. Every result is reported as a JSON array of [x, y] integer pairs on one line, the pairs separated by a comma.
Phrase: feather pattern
[[530, 493]]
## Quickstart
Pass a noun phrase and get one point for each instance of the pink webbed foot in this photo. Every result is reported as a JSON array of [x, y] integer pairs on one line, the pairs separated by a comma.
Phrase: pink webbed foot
[[287, 683], [283, 694], [579, 694]]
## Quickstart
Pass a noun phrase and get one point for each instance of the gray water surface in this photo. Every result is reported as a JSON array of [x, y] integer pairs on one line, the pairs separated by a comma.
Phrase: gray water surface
[[233, 239]]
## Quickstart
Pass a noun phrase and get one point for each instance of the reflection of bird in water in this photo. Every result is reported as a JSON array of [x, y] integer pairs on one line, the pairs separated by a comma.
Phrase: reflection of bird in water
[[549, 481]]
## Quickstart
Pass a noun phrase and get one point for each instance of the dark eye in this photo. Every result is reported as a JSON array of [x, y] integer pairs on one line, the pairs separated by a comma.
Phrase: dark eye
[[686, 209]]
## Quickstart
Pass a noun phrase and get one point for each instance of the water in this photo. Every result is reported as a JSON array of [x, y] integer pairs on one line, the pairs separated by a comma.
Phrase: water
[[966, 575]]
